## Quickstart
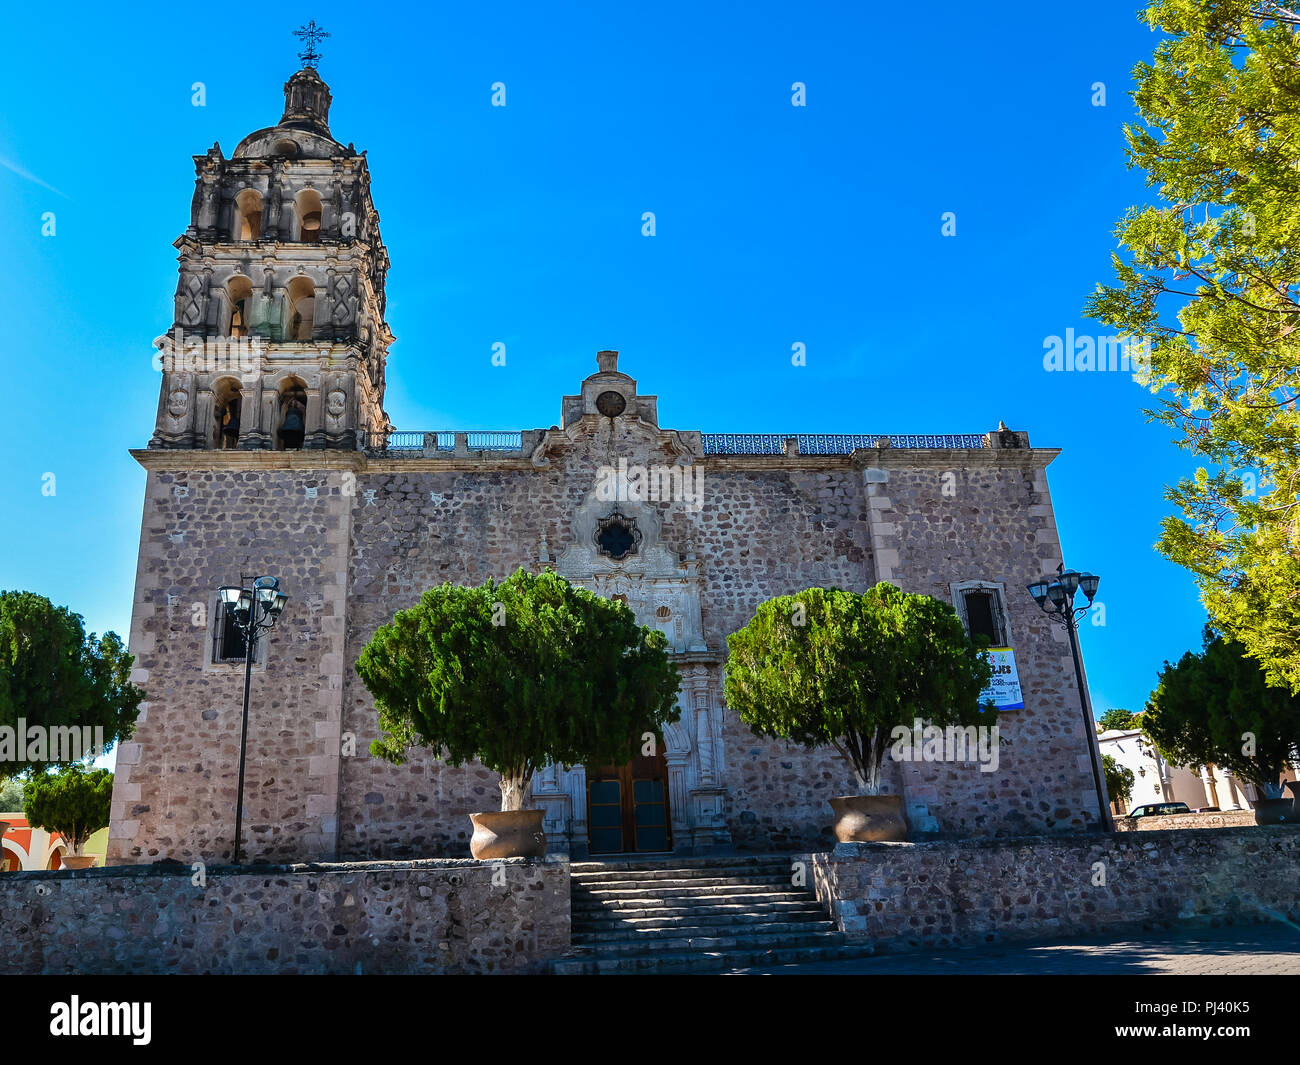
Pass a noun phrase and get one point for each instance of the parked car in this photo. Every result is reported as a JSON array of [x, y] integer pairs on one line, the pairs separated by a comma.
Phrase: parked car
[[1159, 809], [1208, 810]]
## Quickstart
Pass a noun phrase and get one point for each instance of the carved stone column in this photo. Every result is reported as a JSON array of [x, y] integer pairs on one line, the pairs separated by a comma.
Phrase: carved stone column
[[320, 316], [274, 196], [268, 419], [204, 420], [573, 782], [207, 220], [314, 435], [704, 739], [709, 831], [549, 796]]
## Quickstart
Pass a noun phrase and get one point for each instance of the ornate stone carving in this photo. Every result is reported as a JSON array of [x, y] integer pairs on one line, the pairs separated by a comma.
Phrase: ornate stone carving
[[193, 305], [178, 402], [679, 448]]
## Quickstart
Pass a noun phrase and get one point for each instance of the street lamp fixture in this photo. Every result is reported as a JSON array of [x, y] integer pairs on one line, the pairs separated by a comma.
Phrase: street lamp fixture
[[255, 610], [1055, 595]]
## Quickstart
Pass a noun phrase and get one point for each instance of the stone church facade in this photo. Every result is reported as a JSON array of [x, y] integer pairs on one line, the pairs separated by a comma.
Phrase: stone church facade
[[272, 453]]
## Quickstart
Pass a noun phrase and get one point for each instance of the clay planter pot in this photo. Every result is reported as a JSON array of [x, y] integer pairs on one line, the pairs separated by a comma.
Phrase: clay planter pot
[[869, 819], [1275, 812], [74, 861], [508, 834]]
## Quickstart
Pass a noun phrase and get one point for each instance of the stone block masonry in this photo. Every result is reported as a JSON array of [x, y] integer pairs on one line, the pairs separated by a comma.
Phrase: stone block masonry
[[1224, 819], [904, 896], [442, 916], [357, 535]]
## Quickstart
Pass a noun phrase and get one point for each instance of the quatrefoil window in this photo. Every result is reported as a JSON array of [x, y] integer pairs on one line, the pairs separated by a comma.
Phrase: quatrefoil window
[[617, 536]]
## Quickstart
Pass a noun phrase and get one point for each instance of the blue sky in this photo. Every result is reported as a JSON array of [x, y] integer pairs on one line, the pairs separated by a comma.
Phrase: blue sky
[[522, 225]]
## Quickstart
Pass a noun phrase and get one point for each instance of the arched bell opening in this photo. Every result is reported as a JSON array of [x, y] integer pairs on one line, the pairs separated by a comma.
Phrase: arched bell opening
[[302, 308], [239, 291], [248, 215], [308, 209], [293, 415], [227, 404]]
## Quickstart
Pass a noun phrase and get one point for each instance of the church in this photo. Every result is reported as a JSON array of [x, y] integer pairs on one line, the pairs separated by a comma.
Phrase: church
[[272, 454]]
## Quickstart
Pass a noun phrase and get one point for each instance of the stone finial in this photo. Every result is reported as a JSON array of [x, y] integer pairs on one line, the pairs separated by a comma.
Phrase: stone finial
[[607, 361], [1003, 438]]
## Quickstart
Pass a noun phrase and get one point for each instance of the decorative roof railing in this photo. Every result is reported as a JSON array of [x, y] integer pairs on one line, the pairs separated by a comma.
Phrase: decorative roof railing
[[413, 444], [418, 443], [827, 443]]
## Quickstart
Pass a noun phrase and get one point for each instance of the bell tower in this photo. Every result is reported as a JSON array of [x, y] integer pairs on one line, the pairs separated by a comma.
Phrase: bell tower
[[279, 339]]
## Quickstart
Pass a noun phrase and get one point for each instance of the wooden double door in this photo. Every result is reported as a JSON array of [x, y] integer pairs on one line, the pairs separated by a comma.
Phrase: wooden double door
[[627, 807]]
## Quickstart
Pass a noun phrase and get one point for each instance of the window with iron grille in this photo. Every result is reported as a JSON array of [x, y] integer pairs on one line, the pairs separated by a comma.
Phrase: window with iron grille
[[982, 610], [228, 640]]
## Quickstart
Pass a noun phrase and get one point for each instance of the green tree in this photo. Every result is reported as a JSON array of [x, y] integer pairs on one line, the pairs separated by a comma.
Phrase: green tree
[[517, 675], [833, 668], [11, 795], [1217, 708], [1117, 719], [1210, 275], [1119, 779], [73, 802], [55, 676]]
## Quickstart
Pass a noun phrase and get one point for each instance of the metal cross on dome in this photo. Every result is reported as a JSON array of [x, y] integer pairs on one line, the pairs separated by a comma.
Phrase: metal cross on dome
[[311, 34]]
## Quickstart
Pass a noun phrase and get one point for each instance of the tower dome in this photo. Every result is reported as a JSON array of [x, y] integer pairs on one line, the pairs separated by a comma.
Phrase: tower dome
[[303, 131]]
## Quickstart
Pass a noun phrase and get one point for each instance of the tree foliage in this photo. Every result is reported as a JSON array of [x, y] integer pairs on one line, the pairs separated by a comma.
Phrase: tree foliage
[[517, 675], [11, 795], [54, 675], [830, 667], [73, 802], [1117, 719], [1217, 708], [1210, 275], [1119, 779]]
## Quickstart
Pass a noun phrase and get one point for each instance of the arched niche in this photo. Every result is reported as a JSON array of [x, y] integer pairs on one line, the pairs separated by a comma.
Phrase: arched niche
[[291, 423], [227, 407], [248, 215]]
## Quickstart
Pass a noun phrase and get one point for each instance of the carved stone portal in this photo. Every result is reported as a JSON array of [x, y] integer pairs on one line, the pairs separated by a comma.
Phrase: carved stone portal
[[662, 591]]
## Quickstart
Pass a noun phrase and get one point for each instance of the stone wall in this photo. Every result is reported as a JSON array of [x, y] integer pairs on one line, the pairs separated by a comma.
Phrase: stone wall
[[942, 519], [357, 537], [418, 917], [1225, 819], [760, 534], [961, 893], [174, 789]]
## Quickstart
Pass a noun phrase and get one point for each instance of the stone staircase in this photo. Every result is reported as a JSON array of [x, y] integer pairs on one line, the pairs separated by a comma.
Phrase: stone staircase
[[685, 915]]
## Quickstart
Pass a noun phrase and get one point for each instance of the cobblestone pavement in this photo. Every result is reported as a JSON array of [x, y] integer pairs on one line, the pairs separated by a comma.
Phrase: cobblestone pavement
[[1257, 949]]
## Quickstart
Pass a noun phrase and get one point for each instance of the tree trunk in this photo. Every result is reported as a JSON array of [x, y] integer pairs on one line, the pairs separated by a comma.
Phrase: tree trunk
[[514, 791], [870, 781]]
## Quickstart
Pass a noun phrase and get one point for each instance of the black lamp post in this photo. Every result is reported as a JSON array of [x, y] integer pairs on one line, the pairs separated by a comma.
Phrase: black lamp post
[[1056, 596], [255, 610]]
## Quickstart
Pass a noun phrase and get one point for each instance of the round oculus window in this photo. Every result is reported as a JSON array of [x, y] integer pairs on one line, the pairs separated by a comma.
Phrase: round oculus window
[[611, 404]]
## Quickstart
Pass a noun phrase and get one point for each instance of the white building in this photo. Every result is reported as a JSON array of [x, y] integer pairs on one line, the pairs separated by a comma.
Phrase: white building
[[1155, 780]]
